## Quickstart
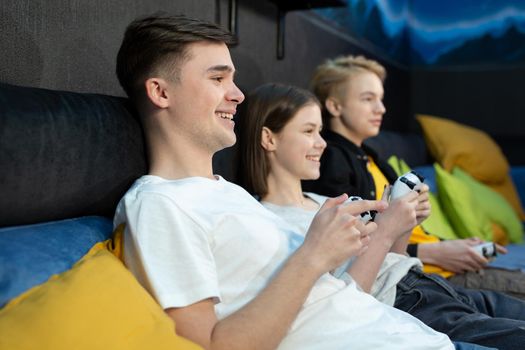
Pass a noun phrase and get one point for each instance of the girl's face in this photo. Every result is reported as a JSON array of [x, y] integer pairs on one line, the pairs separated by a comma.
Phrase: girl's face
[[298, 146]]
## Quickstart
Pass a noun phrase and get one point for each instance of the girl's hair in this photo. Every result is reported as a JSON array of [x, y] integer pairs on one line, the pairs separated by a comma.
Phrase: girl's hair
[[273, 106], [330, 78]]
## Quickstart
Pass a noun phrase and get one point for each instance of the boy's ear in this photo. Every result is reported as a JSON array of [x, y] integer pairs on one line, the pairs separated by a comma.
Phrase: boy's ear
[[267, 139], [157, 92], [333, 106]]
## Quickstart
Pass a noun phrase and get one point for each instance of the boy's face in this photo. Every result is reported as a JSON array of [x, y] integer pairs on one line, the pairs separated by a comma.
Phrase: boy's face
[[361, 106], [205, 97]]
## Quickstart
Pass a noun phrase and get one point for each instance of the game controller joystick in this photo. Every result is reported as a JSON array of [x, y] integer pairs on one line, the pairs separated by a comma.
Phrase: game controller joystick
[[405, 183], [365, 216], [488, 250]]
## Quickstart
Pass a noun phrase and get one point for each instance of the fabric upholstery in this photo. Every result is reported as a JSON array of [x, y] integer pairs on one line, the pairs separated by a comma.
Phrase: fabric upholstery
[[98, 304], [493, 205], [461, 208], [517, 174], [512, 260], [408, 146], [30, 254], [429, 173], [65, 154], [455, 144], [473, 150]]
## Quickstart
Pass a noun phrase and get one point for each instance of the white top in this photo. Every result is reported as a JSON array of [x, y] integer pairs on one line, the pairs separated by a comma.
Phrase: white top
[[196, 238], [394, 267]]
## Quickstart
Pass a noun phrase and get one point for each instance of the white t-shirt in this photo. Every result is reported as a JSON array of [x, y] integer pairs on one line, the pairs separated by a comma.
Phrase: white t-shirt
[[196, 238], [393, 269]]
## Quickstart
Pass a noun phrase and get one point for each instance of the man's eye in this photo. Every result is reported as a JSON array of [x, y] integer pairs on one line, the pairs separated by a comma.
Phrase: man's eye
[[219, 79]]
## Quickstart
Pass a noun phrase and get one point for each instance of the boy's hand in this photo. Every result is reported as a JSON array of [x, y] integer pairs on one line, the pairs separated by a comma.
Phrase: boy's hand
[[456, 255], [423, 208], [400, 217]]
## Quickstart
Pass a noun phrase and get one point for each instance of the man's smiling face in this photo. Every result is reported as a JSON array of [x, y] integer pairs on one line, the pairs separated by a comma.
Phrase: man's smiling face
[[205, 97]]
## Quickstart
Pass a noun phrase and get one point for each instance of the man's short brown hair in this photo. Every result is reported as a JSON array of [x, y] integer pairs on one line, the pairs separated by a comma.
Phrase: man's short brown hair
[[157, 45]]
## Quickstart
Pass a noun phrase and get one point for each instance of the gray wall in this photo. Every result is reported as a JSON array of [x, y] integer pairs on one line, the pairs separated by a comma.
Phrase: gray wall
[[488, 98], [72, 45]]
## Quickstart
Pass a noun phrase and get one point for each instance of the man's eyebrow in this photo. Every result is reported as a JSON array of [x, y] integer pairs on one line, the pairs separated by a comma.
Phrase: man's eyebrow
[[220, 68]]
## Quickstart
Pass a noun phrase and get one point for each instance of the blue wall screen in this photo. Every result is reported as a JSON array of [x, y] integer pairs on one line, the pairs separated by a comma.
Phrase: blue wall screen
[[438, 32]]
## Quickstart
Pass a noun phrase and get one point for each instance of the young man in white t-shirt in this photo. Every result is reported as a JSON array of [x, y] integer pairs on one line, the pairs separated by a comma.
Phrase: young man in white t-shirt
[[231, 274]]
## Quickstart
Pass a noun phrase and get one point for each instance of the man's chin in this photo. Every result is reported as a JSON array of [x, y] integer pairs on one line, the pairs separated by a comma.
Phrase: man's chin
[[228, 144]]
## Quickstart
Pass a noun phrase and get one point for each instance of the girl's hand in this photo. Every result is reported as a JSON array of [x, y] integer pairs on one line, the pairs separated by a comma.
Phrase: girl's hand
[[336, 233]]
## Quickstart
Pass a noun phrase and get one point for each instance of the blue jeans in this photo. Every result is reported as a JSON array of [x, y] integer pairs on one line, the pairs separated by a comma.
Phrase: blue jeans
[[486, 318]]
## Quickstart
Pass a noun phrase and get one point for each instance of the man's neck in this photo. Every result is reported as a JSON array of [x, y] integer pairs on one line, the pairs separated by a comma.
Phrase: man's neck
[[173, 167], [176, 158]]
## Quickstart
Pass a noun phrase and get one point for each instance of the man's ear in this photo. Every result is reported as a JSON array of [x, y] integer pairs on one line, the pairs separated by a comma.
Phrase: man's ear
[[333, 106], [157, 92], [268, 139]]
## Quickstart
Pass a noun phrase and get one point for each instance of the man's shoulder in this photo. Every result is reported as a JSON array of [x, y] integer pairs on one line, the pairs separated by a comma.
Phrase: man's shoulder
[[192, 197], [200, 191], [155, 184]]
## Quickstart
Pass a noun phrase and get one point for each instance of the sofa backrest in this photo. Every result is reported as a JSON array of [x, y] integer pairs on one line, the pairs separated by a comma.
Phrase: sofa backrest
[[410, 147], [65, 154]]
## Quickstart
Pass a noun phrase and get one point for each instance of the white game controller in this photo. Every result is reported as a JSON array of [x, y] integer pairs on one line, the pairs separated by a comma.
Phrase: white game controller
[[488, 250], [405, 183], [365, 216]]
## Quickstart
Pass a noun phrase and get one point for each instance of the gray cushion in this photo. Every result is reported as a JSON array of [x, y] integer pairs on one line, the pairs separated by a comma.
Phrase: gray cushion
[[65, 154]]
